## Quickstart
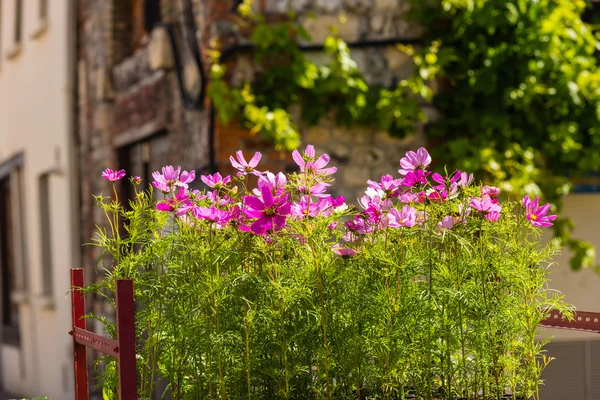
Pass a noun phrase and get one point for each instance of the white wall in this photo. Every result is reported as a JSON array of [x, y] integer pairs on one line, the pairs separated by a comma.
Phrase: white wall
[[580, 288], [36, 115]]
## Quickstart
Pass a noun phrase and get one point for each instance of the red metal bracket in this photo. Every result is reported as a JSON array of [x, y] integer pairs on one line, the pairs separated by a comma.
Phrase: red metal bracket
[[123, 349], [582, 321]]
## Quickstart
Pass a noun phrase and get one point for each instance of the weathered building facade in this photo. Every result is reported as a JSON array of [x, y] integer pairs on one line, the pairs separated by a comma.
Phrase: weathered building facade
[[39, 240]]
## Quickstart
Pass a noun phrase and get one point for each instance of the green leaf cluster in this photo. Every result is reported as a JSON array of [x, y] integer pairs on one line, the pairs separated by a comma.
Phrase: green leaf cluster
[[522, 94], [285, 77]]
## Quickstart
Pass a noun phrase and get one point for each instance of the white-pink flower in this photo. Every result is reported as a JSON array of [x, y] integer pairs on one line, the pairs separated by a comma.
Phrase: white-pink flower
[[413, 161], [245, 167], [406, 217]]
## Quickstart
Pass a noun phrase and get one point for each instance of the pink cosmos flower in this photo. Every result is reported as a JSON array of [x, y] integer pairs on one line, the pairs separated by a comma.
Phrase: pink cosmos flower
[[215, 181], [309, 207], [317, 189], [180, 203], [414, 161], [418, 177], [406, 217], [388, 185], [358, 225], [113, 176], [310, 164], [220, 217], [270, 212], [375, 207], [443, 182], [217, 198], [465, 179], [493, 216], [486, 205], [448, 222], [434, 195], [243, 166], [535, 214], [344, 252], [136, 180], [172, 177], [277, 182], [409, 197], [491, 191]]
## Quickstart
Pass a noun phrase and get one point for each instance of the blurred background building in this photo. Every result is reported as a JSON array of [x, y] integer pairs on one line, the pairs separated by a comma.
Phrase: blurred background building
[[39, 206], [90, 84]]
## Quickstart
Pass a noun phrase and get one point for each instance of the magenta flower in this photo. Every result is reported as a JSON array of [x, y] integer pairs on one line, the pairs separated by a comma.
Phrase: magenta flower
[[418, 177], [310, 164], [213, 214], [358, 225], [215, 181], [270, 212], [485, 204], [406, 217], [388, 185], [113, 176], [344, 252], [172, 177], [414, 161], [535, 214], [443, 182], [433, 195], [375, 207], [136, 180], [180, 203], [493, 216], [243, 166]]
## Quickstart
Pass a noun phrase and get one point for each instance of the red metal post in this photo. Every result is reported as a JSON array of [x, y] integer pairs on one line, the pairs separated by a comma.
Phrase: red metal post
[[126, 340], [79, 350]]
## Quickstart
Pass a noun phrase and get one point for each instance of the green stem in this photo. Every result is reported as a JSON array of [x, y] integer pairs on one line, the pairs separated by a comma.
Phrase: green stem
[[323, 323], [247, 332]]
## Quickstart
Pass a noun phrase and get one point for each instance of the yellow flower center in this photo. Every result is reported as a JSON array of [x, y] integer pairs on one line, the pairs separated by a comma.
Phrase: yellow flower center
[[533, 217]]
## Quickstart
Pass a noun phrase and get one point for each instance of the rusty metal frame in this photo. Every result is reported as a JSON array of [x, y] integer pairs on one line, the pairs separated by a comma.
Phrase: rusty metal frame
[[123, 349], [581, 321]]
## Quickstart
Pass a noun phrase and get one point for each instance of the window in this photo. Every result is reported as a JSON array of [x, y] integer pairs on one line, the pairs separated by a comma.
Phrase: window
[[42, 19], [12, 277], [143, 157], [18, 33], [46, 238], [17, 29], [43, 10], [575, 371], [135, 18]]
